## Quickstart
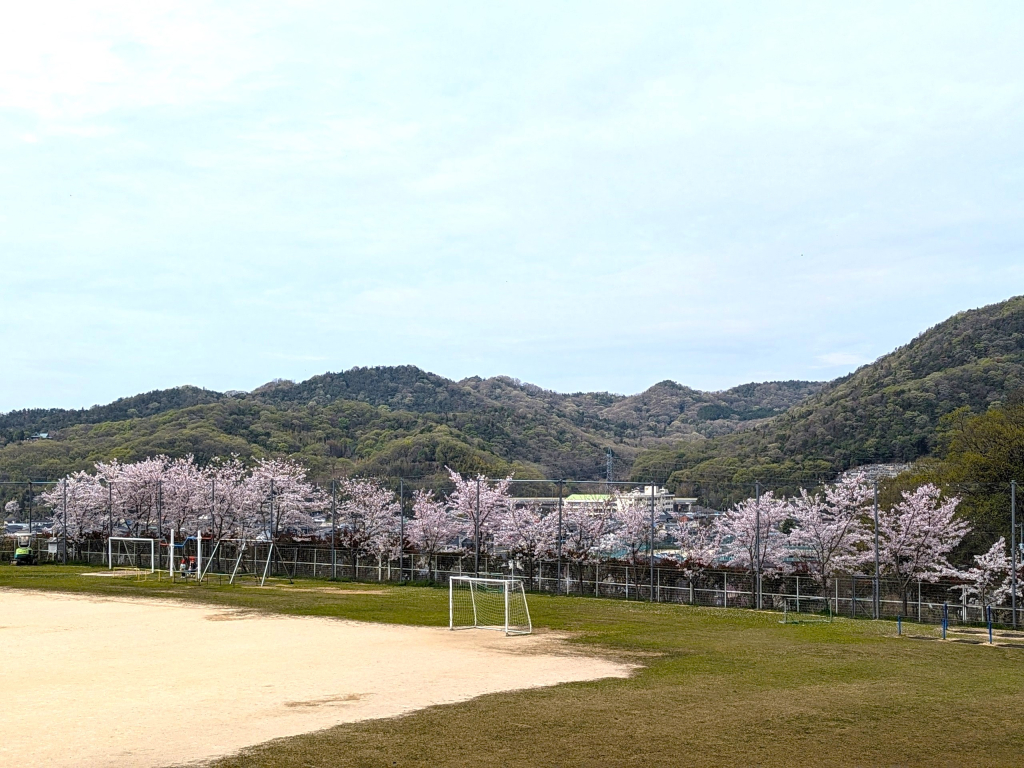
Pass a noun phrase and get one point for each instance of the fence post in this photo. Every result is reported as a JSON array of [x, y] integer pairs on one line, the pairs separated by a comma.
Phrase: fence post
[[878, 583], [797, 594], [725, 590], [334, 528], [558, 545], [853, 596], [918, 601], [64, 556], [651, 552], [757, 544]]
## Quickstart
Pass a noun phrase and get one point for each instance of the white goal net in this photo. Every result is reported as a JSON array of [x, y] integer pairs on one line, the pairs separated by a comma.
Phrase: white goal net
[[128, 552], [478, 603]]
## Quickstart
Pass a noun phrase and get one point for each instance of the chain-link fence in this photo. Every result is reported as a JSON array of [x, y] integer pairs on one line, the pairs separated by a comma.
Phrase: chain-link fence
[[580, 567], [847, 595]]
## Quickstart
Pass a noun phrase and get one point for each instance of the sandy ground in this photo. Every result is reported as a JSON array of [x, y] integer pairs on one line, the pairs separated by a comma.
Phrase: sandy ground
[[110, 682]]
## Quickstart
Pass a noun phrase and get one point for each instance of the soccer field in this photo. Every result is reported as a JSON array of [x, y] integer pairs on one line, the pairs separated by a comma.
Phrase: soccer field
[[711, 687]]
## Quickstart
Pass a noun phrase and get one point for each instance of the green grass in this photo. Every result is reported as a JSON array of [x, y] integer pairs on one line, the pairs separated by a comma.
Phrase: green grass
[[717, 687]]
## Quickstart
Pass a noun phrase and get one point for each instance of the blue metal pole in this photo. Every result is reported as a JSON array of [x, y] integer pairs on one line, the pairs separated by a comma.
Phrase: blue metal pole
[[990, 625], [899, 625]]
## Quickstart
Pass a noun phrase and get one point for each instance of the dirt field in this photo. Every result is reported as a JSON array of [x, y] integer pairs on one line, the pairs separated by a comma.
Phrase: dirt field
[[111, 682]]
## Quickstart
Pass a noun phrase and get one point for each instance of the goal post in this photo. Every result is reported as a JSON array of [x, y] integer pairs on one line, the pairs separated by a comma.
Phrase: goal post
[[795, 613], [130, 555], [480, 603]]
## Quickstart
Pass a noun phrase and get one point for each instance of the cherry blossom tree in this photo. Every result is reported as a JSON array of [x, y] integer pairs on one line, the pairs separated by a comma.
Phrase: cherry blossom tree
[[827, 532], [525, 533], [988, 579], [282, 497], [632, 529], [478, 501], [738, 532], [231, 499], [86, 506], [699, 547], [369, 519], [186, 496], [585, 531], [917, 534], [11, 508], [433, 529]]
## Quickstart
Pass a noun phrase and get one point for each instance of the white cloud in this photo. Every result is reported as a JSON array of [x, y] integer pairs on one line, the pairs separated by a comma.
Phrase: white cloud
[[564, 194]]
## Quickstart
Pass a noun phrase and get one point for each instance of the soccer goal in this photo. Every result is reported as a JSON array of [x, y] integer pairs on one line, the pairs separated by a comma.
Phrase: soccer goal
[[130, 552], [792, 614], [477, 603]]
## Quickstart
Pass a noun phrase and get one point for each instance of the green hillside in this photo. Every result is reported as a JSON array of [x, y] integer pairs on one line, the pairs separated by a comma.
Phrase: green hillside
[[392, 422], [402, 421], [887, 411]]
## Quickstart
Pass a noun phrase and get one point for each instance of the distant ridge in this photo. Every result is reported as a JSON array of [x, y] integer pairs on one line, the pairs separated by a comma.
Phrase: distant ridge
[[401, 420], [887, 411]]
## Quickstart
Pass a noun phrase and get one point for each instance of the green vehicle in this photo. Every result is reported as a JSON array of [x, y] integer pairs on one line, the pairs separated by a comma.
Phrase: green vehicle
[[23, 555]]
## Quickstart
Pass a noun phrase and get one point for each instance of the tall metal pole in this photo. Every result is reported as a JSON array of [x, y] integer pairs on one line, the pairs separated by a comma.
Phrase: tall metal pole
[[160, 509], [64, 506], [558, 543], [757, 543], [476, 532], [608, 465], [1013, 550], [273, 523], [213, 501], [650, 551], [878, 580], [401, 529], [30, 498], [334, 527]]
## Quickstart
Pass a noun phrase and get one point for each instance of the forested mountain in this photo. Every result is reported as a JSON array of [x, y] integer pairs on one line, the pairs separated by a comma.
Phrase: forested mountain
[[393, 421], [17, 425], [885, 411], [389, 421]]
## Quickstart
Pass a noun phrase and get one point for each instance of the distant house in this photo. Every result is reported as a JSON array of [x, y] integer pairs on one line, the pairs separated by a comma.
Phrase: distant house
[[664, 502], [40, 436]]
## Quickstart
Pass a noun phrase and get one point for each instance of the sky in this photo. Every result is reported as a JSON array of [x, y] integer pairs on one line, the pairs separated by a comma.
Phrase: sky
[[585, 196]]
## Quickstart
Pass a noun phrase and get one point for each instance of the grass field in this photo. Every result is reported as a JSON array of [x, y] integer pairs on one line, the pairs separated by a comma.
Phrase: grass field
[[716, 687]]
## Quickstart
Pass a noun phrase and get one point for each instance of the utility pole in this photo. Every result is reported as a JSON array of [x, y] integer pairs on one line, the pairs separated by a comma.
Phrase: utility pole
[[1013, 550], [213, 503], [757, 543], [64, 505], [558, 544], [476, 532], [651, 550], [401, 529], [30, 498], [608, 465], [878, 581], [334, 518], [160, 509]]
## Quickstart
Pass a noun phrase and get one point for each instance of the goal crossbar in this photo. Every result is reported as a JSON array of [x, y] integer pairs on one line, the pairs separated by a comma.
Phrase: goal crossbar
[[487, 603], [132, 539]]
